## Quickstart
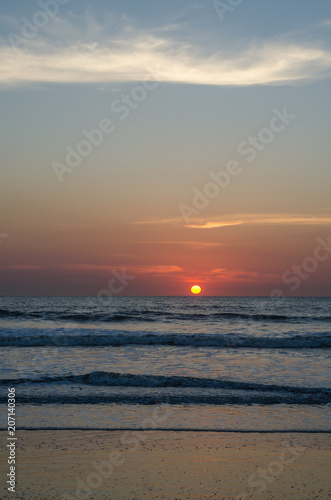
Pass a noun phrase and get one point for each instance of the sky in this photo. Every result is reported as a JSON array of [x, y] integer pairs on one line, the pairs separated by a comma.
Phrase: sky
[[150, 146]]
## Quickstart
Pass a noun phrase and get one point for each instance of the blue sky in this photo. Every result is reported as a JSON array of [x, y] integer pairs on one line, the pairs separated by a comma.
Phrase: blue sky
[[218, 83]]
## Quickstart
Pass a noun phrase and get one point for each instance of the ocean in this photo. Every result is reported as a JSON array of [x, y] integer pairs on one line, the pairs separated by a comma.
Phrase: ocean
[[199, 363]]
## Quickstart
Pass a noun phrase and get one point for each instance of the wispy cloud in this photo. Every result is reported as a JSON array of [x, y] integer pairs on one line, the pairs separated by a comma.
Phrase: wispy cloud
[[327, 22], [253, 219], [157, 270], [240, 275], [241, 219], [193, 245], [132, 58], [214, 224]]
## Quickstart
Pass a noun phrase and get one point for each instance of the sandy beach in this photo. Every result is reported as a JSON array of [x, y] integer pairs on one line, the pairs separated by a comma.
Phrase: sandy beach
[[120, 465]]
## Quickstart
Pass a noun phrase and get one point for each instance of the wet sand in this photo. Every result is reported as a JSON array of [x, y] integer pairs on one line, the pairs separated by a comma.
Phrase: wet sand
[[119, 465]]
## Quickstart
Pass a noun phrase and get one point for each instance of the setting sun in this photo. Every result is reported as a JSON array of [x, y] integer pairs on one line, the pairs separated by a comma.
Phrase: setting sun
[[196, 289]]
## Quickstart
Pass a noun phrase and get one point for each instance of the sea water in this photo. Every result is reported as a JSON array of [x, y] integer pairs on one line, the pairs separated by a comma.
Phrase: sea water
[[207, 363]]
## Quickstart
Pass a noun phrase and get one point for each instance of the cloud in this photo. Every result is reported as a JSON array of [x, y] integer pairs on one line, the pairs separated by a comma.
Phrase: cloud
[[136, 57], [212, 225], [253, 219], [158, 270], [197, 224], [193, 245], [241, 275], [241, 219]]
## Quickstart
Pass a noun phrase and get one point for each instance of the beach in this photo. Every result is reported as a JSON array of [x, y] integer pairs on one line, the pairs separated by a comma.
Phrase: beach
[[120, 465]]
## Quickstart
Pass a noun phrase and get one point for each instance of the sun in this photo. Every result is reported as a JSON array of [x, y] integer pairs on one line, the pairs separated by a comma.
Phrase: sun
[[195, 289]]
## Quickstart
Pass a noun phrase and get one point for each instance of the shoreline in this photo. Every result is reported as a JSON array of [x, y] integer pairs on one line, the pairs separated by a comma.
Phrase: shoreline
[[178, 429], [184, 464]]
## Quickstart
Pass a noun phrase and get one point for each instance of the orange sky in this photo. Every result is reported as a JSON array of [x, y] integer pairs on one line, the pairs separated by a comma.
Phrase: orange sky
[[131, 140]]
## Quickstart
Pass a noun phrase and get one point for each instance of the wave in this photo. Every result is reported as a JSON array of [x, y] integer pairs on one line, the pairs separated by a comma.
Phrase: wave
[[173, 399], [159, 389], [9, 313], [137, 399], [102, 378], [152, 316], [93, 338]]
